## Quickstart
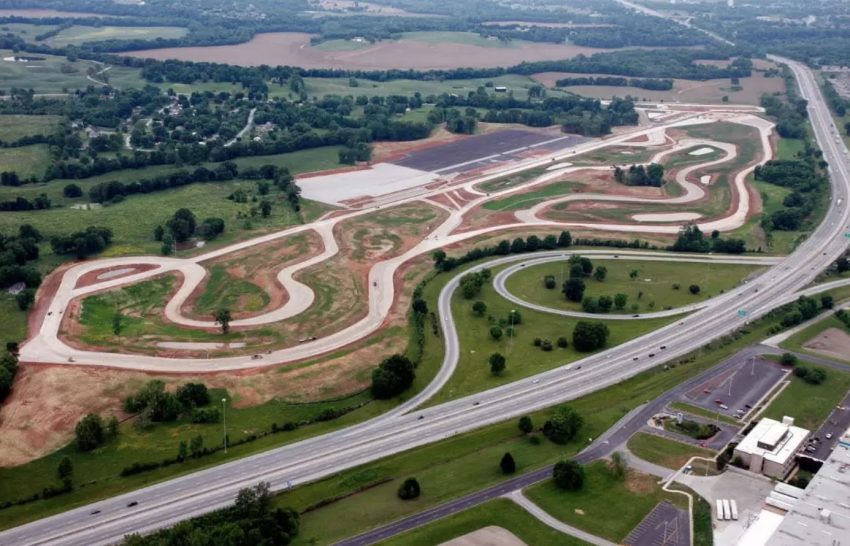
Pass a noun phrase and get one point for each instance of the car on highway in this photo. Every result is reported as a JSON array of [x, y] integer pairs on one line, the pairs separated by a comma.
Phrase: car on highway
[[829, 436], [132, 504], [724, 407]]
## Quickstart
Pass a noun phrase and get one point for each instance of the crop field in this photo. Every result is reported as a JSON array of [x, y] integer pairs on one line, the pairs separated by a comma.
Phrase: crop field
[[77, 35], [14, 127], [652, 289], [27, 161], [57, 74], [425, 50]]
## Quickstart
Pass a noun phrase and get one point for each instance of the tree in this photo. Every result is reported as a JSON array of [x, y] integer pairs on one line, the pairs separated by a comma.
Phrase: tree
[[65, 470], [25, 298], [192, 395], [479, 308], [72, 191], [633, 274], [564, 425], [117, 323], [525, 424], [182, 451], [605, 303], [549, 282], [222, 318], [211, 228], [167, 248], [563, 343], [568, 475], [788, 359], [620, 301], [507, 464], [600, 273], [182, 225], [574, 289], [565, 239], [496, 332], [393, 376], [196, 446], [89, 432], [589, 336], [694, 289], [497, 363], [409, 489], [827, 301], [265, 208], [619, 466]]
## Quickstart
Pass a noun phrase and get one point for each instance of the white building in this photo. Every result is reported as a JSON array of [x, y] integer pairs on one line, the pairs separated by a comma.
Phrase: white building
[[771, 447]]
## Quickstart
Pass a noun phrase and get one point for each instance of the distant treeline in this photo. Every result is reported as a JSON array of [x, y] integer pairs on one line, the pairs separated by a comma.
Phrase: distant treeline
[[651, 84]]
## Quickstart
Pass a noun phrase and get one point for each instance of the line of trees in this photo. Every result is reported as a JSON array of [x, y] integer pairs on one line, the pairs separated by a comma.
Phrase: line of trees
[[639, 175], [652, 84]]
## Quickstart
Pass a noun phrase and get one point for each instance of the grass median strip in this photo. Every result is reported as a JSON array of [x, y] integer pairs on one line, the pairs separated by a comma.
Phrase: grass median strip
[[664, 452]]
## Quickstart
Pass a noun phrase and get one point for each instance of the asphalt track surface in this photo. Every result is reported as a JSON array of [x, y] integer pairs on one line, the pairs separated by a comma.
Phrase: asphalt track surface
[[168, 502]]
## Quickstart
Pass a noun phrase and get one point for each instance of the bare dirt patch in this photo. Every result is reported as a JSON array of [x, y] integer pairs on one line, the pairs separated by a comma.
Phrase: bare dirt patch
[[831, 342], [294, 49], [110, 273], [486, 536]]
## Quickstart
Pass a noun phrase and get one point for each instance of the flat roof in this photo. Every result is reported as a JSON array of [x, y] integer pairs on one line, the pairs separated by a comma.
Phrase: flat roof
[[822, 515], [786, 440]]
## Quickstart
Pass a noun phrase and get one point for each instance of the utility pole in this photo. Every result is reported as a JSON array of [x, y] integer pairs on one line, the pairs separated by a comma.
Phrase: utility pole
[[224, 422]]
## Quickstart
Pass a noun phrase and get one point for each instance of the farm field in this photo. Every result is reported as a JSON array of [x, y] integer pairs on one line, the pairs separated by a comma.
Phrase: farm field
[[77, 35], [57, 74], [27, 161], [422, 51], [652, 289], [14, 127]]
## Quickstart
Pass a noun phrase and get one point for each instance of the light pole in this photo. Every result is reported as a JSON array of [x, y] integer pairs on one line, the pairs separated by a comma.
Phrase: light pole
[[511, 330], [224, 422]]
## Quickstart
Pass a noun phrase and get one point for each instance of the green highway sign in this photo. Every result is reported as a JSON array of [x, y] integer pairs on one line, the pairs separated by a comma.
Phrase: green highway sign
[[742, 312]]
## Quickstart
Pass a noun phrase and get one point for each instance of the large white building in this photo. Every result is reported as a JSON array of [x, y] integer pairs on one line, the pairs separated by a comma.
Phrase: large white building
[[771, 447]]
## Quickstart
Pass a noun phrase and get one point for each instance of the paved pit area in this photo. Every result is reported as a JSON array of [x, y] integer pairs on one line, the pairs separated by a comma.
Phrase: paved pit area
[[739, 389], [485, 150], [380, 179], [666, 525]]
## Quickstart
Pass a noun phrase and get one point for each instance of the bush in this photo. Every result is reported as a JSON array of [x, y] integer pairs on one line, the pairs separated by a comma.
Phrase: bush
[[496, 332], [507, 464], [206, 415], [563, 343], [89, 432], [546, 345], [812, 376], [788, 359], [525, 424], [694, 289], [392, 377], [564, 425], [568, 475], [193, 394], [409, 489], [549, 282]]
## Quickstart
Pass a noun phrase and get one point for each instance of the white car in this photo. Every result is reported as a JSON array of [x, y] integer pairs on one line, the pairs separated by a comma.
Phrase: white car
[[829, 436]]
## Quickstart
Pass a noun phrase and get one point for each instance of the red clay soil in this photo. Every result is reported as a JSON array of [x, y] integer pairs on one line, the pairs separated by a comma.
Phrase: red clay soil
[[91, 277], [443, 199], [43, 296]]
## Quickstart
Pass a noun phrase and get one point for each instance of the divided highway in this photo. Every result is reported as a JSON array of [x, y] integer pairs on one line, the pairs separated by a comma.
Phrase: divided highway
[[169, 502]]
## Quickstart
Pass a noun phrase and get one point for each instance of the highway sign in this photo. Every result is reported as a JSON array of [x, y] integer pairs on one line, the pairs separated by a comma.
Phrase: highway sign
[[742, 312], [847, 234]]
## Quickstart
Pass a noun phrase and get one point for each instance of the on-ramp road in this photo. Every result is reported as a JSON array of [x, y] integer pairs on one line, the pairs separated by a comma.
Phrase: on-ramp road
[[168, 502]]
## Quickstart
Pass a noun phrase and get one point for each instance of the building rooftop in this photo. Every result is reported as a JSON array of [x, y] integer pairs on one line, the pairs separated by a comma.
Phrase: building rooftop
[[773, 440], [822, 515]]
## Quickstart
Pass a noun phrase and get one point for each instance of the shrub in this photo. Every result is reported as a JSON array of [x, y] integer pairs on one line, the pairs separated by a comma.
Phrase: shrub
[[89, 432], [507, 464], [568, 475], [409, 489], [563, 343], [694, 289]]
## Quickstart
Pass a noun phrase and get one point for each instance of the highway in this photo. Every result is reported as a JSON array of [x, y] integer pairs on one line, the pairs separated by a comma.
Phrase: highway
[[169, 502]]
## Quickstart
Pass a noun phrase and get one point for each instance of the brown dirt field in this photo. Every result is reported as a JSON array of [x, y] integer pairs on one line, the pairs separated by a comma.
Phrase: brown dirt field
[[832, 342], [641, 484], [45, 294], [91, 277], [388, 152], [293, 48], [48, 400], [443, 199], [260, 266], [486, 536], [710, 91]]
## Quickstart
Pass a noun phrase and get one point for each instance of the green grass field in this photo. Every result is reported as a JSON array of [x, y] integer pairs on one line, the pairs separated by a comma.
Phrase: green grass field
[[798, 341], [13, 321], [226, 291], [77, 35], [501, 512], [810, 405], [529, 199], [697, 410], [655, 280], [27, 161], [57, 75], [523, 358], [13, 127], [134, 219], [602, 496], [26, 31], [340, 86], [664, 452]]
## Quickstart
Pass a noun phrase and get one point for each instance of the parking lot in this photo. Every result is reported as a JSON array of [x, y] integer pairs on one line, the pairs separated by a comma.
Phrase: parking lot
[[738, 389], [834, 426], [484, 150], [666, 525]]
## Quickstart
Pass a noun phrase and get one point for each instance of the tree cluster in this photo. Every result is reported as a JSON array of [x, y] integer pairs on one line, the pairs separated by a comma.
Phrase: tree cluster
[[92, 431], [590, 336], [154, 404], [471, 283], [692, 239], [16, 251], [806, 183], [393, 376], [442, 262], [638, 175], [811, 375], [652, 84], [564, 425], [84, 243]]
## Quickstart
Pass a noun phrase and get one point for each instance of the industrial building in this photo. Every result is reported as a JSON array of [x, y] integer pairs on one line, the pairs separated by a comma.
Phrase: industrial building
[[771, 447]]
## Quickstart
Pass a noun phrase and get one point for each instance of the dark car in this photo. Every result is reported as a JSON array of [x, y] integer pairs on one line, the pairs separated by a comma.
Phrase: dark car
[[132, 504]]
